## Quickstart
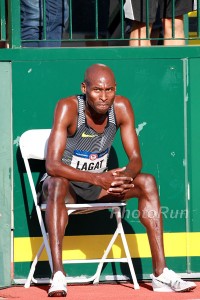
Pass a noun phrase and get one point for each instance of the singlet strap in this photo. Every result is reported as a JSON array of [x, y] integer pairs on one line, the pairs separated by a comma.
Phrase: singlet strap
[[81, 112]]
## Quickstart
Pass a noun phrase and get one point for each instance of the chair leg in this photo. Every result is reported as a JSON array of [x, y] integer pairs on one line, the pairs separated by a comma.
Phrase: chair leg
[[45, 236], [118, 231], [35, 261], [32, 270], [100, 266], [124, 241]]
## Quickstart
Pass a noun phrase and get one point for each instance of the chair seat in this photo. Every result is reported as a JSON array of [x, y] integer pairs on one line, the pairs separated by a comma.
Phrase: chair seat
[[88, 207]]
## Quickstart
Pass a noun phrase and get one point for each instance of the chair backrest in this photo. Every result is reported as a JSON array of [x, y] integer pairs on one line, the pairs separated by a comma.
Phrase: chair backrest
[[33, 143]]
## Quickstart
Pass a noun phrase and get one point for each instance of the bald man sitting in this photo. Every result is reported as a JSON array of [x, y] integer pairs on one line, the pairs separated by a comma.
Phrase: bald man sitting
[[85, 126]]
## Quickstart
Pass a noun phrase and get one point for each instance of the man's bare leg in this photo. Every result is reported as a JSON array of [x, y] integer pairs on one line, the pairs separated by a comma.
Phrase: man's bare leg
[[151, 218], [145, 189], [55, 191]]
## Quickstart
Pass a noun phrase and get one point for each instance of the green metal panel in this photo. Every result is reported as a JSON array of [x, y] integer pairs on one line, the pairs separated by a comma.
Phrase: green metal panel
[[162, 143], [193, 148], [156, 90], [157, 81], [194, 140], [5, 173], [96, 54]]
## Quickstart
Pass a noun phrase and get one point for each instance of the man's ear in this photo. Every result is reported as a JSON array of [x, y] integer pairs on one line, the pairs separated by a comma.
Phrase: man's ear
[[83, 87]]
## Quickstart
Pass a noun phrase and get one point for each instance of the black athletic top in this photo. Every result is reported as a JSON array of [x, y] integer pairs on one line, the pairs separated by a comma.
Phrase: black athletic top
[[88, 150]]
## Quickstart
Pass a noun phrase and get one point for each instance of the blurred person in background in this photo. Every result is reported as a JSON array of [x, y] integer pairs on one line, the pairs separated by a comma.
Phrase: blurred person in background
[[173, 30], [32, 22]]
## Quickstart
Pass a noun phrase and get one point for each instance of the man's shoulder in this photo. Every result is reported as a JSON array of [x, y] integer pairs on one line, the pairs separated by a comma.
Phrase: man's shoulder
[[67, 106], [123, 109], [121, 100], [68, 101]]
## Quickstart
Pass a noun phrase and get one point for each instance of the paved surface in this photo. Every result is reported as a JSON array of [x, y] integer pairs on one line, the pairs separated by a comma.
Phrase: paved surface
[[121, 291]]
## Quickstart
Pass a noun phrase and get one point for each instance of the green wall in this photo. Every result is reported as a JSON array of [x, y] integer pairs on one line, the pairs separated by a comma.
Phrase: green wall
[[162, 85]]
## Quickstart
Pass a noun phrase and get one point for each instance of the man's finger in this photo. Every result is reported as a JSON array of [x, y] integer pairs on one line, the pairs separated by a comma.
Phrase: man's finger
[[118, 170]]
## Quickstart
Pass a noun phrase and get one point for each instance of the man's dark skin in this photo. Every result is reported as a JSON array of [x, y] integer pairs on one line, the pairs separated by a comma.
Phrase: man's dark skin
[[99, 86]]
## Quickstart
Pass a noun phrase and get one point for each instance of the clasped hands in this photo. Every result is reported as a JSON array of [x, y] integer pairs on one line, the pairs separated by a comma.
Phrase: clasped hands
[[121, 182]]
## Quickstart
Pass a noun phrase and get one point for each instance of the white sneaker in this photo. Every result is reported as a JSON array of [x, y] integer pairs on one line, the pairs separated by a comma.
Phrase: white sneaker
[[58, 286], [169, 281]]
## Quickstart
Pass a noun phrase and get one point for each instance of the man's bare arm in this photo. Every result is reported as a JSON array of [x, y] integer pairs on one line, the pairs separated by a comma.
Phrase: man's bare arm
[[63, 126], [129, 137], [125, 118]]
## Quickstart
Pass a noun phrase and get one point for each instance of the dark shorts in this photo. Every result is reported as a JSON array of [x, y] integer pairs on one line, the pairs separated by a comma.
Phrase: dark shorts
[[138, 10], [85, 192]]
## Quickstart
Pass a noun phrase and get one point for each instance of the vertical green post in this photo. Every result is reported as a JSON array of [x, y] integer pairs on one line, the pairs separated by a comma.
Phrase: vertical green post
[[6, 170], [3, 20], [44, 21], [14, 25], [96, 20], [122, 18], [70, 20], [198, 18], [147, 20], [186, 28]]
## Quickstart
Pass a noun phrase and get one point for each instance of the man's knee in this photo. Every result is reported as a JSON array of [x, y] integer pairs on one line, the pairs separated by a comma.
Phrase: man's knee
[[56, 187], [146, 183]]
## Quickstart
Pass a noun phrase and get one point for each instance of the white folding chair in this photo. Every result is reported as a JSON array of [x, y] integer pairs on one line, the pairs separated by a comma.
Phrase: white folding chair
[[33, 145]]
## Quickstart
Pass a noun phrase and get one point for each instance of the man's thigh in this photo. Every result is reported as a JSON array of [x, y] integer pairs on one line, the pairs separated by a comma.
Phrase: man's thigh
[[49, 188]]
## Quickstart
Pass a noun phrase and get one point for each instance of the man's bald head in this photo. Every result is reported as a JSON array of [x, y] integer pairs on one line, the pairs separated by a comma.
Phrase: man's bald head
[[98, 71], [99, 88]]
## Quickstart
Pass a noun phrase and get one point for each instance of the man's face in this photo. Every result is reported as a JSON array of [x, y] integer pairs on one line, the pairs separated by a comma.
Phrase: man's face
[[100, 92]]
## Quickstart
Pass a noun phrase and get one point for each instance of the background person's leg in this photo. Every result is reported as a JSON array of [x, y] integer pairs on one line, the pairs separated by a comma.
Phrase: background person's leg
[[178, 31], [30, 22], [57, 13], [138, 35], [136, 12], [166, 11]]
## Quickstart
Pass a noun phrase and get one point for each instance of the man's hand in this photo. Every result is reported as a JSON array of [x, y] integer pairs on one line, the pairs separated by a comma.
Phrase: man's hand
[[121, 182], [115, 181]]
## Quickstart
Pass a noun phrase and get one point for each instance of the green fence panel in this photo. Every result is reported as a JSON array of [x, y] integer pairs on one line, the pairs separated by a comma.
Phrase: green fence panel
[[39, 84]]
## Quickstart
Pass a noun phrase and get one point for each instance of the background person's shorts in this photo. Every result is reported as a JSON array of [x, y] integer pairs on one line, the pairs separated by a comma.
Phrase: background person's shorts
[[137, 10]]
